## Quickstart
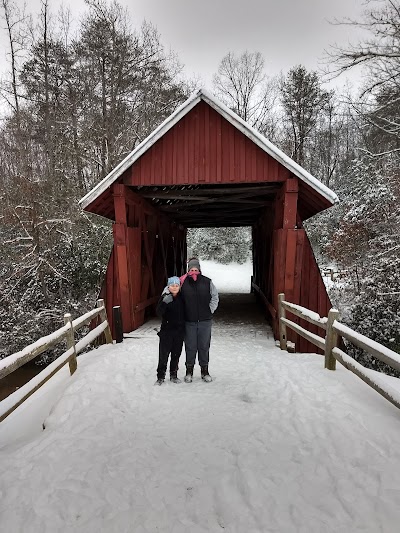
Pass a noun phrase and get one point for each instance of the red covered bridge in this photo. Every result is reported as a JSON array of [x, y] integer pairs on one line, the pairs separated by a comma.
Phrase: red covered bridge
[[205, 167]]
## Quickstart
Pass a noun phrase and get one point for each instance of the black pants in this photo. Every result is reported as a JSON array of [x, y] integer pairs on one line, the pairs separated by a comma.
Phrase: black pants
[[171, 342]]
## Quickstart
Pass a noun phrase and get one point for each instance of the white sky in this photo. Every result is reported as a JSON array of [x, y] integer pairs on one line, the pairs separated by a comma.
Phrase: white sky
[[286, 32]]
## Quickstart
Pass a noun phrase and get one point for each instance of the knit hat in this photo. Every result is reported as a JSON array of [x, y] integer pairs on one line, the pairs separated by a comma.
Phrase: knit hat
[[174, 280], [193, 263]]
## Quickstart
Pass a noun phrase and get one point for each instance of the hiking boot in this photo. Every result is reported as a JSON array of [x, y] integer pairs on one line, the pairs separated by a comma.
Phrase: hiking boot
[[205, 376], [174, 377], [189, 374]]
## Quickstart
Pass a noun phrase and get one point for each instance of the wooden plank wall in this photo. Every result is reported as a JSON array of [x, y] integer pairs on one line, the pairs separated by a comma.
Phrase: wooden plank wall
[[141, 259], [109, 291], [313, 294], [303, 285], [202, 148]]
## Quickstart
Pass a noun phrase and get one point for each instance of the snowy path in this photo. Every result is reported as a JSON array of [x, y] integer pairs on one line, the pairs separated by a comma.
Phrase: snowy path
[[275, 444]]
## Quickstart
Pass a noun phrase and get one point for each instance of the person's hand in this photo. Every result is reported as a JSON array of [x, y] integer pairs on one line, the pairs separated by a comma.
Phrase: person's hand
[[168, 298]]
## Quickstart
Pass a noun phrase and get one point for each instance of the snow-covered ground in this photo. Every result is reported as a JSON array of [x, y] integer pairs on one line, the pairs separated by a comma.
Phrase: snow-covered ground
[[274, 444], [229, 278]]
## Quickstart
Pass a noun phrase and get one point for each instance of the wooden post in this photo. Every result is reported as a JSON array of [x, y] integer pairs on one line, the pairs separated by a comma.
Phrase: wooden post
[[331, 340], [103, 316], [282, 326], [120, 232], [70, 338], [290, 193], [117, 317]]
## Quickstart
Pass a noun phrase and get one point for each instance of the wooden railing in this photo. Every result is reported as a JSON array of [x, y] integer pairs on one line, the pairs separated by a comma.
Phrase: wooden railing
[[334, 274], [66, 333], [267, 304], [334, 330]]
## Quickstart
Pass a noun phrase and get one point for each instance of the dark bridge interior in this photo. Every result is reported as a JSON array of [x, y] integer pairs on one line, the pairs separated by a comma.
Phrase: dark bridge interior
[[200, 206]]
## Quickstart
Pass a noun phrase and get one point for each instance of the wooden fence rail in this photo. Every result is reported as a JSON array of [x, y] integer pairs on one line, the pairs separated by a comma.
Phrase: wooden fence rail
[[267, 304], [65, 333], [330, 345]]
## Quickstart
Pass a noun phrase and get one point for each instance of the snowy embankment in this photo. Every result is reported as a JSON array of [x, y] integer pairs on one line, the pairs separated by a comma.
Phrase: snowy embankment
[[275, 444]]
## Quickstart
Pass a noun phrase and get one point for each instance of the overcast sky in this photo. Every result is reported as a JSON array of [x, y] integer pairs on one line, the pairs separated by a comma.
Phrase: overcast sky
[[286, 32]]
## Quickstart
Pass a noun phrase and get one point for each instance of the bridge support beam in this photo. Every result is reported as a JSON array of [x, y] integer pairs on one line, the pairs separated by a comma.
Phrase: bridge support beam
[[147, 248], [283, 262]]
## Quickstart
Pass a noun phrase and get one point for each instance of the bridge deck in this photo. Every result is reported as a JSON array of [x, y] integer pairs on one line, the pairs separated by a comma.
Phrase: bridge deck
[[237, 312], [276, 443]]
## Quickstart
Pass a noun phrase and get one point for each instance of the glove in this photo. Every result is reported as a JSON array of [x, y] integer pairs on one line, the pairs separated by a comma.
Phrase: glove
[[168, 298]]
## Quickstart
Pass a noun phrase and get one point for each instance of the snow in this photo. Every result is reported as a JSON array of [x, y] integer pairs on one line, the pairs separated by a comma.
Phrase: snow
[[19, 394], [275, 443], [389, 355], [228, 278], [387, 384], [307, 313], [87, 317], [35, 346]]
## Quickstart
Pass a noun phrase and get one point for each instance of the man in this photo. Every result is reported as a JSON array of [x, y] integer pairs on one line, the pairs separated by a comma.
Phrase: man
[[200, 299]]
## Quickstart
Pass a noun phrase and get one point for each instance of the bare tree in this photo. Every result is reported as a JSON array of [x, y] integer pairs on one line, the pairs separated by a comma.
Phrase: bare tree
[[83, 104], [129, 82], [242, 84], [379, 54], [14, 20]]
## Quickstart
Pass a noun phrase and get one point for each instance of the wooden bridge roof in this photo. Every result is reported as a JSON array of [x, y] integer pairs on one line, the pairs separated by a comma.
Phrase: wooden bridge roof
[[181, 169]]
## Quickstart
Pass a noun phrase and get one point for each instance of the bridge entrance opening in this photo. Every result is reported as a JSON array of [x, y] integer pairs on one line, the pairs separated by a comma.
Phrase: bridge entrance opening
[[222, 245]]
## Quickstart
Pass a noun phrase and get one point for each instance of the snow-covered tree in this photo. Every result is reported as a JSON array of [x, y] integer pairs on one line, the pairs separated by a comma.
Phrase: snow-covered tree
[[224, 245], [82, 104]]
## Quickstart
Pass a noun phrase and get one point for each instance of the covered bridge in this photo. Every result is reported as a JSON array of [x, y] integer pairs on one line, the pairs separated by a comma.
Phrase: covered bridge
[[205, 167]]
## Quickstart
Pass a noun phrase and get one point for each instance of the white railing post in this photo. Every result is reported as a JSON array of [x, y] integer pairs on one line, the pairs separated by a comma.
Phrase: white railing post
[[282, 326], [70, 337], [331, 340], [103, 316]]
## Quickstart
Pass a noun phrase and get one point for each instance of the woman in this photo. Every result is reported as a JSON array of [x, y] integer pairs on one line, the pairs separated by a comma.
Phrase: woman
[[200, 299]]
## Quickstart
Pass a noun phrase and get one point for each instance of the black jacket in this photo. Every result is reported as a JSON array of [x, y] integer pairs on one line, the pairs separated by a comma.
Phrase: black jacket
[[197, 297], [173, 313]]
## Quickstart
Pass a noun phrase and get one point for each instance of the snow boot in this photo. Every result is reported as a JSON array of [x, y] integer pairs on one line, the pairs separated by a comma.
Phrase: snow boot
[[173, 376], [205, 376], [159, 381], [189, 374]]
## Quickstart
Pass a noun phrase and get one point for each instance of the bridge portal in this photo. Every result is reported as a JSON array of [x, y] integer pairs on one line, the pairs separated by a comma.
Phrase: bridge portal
[[205, 167]]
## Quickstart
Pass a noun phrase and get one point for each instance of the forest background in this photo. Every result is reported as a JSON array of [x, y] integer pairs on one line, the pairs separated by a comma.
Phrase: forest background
[[75, 104]]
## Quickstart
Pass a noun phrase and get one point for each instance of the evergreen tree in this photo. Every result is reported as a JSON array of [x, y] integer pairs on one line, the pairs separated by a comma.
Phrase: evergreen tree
[[302, 100]]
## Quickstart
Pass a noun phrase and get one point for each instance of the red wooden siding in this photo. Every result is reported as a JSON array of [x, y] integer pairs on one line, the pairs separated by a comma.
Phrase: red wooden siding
[[203, 147], [313, 295], [141, 258], [289, 267]]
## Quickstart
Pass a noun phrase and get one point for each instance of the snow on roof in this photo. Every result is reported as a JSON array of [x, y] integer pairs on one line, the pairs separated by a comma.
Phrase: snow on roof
[[231, 117]]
